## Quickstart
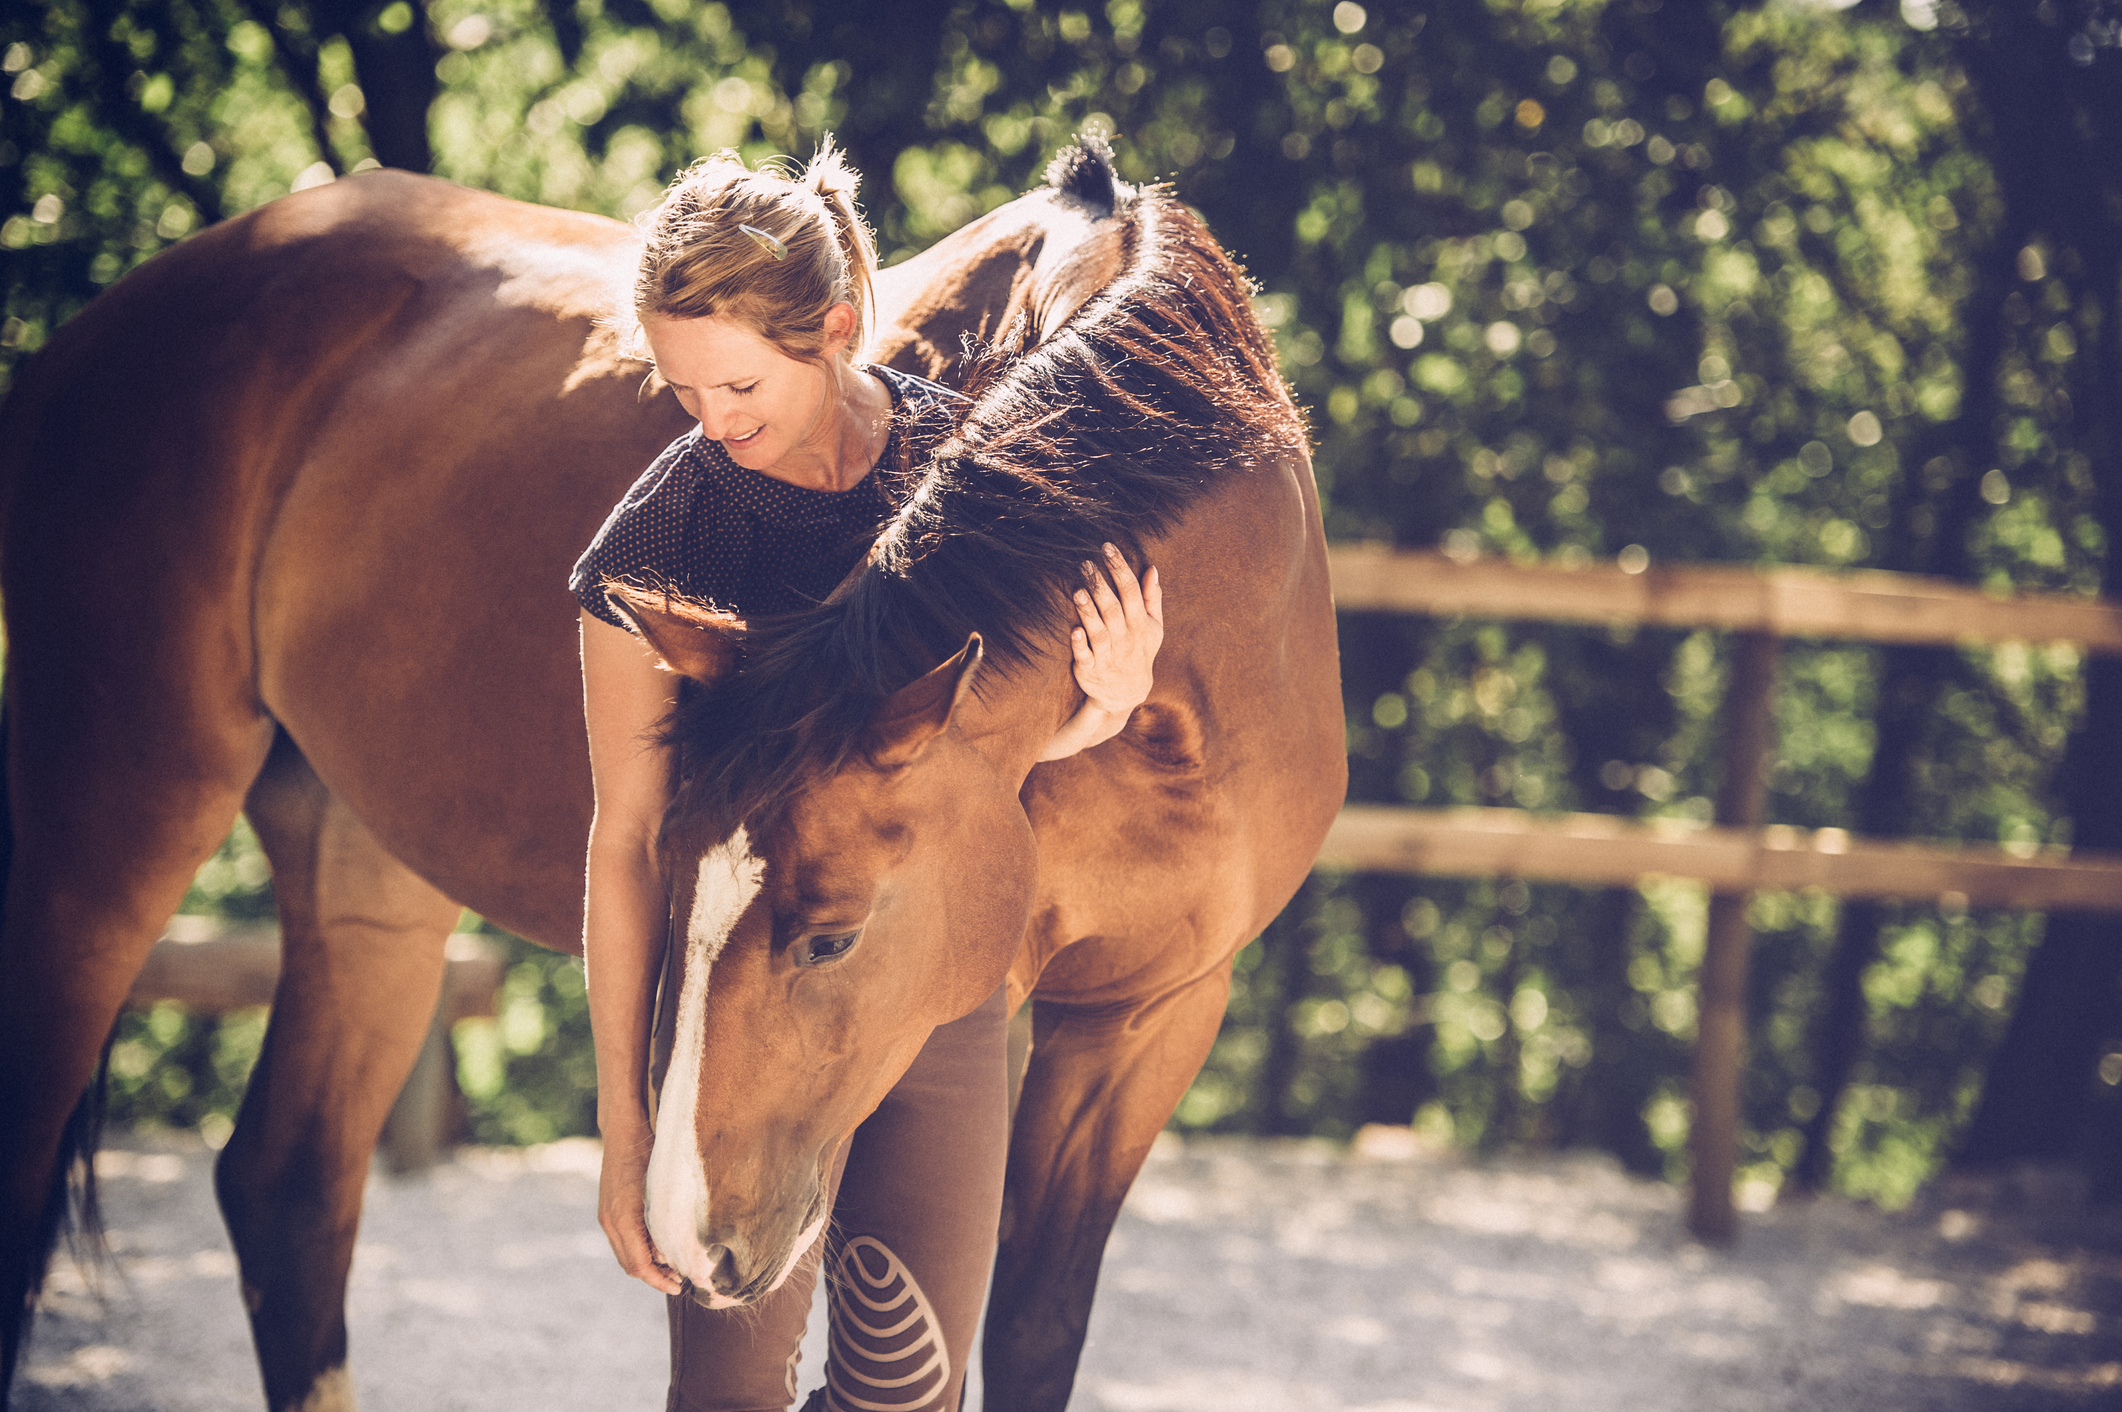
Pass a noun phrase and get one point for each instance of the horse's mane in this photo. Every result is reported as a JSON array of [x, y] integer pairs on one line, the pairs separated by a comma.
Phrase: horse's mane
[[1106, 430]]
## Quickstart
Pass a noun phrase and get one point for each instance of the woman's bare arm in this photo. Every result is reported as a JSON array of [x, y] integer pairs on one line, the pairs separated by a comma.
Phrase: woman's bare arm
[[624, 697]]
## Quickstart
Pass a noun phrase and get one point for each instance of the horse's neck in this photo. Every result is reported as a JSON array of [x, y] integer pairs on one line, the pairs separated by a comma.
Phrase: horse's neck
[[1013, 719]]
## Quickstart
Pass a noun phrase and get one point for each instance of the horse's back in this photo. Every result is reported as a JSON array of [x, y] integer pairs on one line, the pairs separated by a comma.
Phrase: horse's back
[[976, 284], [339, 454], [330, 461], [181, 401]]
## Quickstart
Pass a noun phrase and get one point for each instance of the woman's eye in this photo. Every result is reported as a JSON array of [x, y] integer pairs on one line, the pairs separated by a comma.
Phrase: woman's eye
[[819, 949]]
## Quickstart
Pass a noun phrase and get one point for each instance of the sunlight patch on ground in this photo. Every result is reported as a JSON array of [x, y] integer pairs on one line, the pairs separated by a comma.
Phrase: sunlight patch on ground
[[97, 1363], [138, 1166]]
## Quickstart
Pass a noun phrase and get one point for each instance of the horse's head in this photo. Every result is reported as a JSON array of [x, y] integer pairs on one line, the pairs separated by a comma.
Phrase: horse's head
[[863, 897]]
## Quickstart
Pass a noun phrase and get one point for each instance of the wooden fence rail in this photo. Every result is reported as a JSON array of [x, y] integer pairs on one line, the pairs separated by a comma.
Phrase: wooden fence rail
[[211, 968], [1604, 850], [1781, 602], [1734, 854]]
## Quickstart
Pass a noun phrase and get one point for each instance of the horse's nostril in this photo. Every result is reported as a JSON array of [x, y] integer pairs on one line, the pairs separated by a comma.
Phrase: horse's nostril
[[723, 1274]]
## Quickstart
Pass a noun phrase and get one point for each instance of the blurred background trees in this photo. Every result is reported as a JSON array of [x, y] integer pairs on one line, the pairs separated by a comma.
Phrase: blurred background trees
[[1789, 281]]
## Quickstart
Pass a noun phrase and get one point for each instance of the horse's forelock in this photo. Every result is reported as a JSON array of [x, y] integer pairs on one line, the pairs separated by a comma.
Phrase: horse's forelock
[[1106, 431]]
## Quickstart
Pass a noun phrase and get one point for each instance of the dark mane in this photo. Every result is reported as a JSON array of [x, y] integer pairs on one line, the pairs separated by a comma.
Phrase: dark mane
[[1106, 430]]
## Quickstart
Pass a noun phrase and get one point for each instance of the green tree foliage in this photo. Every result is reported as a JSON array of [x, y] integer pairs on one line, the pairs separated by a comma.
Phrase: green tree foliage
[[1559, 280]]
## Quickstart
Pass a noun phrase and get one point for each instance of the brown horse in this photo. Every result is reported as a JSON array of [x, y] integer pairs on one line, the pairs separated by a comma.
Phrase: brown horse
[[287, 515]]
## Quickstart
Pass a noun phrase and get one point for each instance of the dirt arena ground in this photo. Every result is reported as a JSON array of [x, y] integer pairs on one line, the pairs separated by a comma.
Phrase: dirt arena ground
[[1244, 1277]]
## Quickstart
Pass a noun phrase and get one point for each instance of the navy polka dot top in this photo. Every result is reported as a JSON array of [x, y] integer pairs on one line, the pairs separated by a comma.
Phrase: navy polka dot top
[[699, 524]]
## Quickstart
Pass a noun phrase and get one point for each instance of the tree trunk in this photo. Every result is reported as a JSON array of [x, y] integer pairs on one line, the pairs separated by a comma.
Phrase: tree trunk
[[891, 57], [1604, 1108], [1395, 1075], [2038, 1096], [397, 77]]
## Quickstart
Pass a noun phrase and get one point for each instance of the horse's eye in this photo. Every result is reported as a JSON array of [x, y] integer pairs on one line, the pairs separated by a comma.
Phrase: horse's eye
[[817, 950]]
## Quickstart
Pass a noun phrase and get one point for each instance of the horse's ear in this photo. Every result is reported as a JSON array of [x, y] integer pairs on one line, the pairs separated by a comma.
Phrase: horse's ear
[[693, 639], [916, 714]]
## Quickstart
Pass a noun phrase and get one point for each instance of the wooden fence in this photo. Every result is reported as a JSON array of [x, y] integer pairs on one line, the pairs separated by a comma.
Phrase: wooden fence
[[211, 968], [216, 970], [1735, 855]]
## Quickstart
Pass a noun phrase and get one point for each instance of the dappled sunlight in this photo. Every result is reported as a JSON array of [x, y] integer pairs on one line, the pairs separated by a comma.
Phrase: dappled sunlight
[[84, 1367], [485, 1283], [1884, 1288]]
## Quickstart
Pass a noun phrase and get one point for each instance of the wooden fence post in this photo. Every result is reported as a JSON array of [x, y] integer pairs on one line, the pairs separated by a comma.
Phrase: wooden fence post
[[422, 1121], [1720, 1027], [416, 1132]]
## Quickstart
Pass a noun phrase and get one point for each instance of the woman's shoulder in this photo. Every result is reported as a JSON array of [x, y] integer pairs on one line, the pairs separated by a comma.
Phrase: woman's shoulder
[[650, 536]]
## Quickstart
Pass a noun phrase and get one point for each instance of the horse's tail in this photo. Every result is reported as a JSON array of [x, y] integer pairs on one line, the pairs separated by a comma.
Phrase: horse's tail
[[70, 1206]]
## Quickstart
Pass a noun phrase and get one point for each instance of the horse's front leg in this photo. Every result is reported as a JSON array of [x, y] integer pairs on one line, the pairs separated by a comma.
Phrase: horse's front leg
[[1100, 1088], [362, 965]]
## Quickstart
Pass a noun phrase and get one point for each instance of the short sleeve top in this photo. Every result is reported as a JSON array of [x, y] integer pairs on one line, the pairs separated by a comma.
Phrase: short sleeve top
[[700, 524]]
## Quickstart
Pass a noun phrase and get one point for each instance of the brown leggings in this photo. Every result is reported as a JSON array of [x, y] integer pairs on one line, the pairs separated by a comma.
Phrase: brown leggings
[[912, 1238]]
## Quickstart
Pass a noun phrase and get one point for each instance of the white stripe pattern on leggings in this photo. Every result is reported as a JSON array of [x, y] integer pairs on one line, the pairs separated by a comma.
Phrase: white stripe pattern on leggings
[[887, 1347]]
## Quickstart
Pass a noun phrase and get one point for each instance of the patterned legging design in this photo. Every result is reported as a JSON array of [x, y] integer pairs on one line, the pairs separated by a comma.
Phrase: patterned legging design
[[888, 1352], [913, 1236]]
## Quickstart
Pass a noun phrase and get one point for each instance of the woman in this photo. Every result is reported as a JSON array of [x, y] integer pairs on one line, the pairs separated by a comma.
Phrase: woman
[[751, 298]]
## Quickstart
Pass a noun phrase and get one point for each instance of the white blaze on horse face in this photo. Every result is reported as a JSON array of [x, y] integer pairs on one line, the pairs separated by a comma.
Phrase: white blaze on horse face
[[730, 877]]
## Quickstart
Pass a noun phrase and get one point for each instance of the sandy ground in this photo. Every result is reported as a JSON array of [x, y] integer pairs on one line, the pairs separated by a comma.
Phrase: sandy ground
[[1243, 1276]]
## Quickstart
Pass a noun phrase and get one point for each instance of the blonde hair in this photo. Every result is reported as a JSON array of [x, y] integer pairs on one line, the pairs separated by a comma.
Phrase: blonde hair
[[806, 250]]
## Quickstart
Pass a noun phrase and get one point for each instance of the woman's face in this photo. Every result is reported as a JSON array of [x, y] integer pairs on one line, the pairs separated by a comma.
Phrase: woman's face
[[747, 394]]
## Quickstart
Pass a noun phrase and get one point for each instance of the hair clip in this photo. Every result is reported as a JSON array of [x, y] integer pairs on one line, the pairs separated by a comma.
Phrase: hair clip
[[767, 243]]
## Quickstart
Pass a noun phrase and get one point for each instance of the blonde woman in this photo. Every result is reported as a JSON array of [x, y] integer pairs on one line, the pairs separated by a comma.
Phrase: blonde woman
[[752, 299]]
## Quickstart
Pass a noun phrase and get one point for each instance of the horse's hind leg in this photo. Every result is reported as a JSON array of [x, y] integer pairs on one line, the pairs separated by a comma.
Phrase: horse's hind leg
[[362, 959], [122, 776], [1100, 1088]]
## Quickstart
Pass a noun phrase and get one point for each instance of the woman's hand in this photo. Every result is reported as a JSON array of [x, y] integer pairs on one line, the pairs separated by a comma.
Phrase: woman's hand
[[622, 1209], [1123, 626], [1115, 646]]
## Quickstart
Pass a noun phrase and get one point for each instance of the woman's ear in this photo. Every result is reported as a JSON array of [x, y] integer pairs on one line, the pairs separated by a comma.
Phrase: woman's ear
[[839, 326]]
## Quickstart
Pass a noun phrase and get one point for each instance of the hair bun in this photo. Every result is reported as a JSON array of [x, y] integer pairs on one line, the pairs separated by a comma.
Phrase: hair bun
[[834, 179], [774, 248]]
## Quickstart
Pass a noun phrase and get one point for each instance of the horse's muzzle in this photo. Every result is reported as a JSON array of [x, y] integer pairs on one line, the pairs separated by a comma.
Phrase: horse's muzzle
[[738, 1278], [730, 1283]]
